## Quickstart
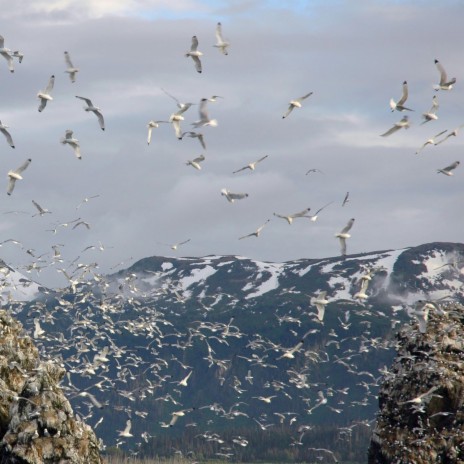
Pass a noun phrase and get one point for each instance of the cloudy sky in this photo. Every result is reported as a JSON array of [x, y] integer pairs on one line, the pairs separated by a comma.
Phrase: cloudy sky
[[354, 56]]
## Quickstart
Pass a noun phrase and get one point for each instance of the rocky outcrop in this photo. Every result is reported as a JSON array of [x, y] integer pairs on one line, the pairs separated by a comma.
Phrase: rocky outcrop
[[37, 424], [421, 418]]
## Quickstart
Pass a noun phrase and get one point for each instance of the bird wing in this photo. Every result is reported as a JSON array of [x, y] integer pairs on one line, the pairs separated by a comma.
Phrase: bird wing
[[348, 226], [87, 100], [261, 159], [194, 45], [391, 131], [42, 104], [320, 209], [241, 169], [441, 70], [2, 42], [8, 137], [150, 129], [290, 109], [68, 60], [305, 96], [435, 105], [199, 159], [177, 129], [404, 97], [101, 121], [452, 166], [219, 33], [50, 84], [301, 213], [342, 246], [11, 185], [23, 166]]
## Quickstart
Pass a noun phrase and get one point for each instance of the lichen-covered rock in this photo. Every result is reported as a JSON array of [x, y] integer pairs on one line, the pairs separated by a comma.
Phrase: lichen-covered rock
[[421, 418], [37, 424]]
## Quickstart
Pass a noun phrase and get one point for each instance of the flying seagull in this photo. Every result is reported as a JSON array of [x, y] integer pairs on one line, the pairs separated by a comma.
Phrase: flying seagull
[[44, 95], [256, 232], [41, 211], [399, 105], [313, 170], [221, 44], [95, 110], [177, 245], [293, 216], [204, 118], [320, 301], [448, 171], [346, 199], [251, 166], [231, 197], [195, 163], [343, 235], [176, 118], [72, 142], [404, 123], [15, 175], [296, 104], [152, 125], [6, 53], [3, 130], [126, 431], [195, 54], [453, 133], [431, 114], [71, 69], [431, 141], [444, 83], [195, 135]]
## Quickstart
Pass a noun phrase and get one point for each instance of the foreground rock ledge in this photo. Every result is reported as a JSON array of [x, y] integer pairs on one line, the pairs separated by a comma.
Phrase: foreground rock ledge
[[37, 424], [421, 418]]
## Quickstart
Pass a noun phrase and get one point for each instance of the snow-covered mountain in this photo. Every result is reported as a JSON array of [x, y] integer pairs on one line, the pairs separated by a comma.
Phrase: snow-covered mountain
[[402, 276]]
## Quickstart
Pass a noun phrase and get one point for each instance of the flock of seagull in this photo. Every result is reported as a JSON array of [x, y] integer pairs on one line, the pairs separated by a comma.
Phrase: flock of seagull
[[150, 322]]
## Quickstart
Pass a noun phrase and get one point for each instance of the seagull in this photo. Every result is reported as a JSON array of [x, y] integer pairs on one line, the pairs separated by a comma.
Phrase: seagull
[[195, 135], [252, 165], [293, 216], [444, 83], [423, 396], [256, 232], [431, 141], [6, 53], [453, 133], [72, 142], [41, 211], [204, 118], [430, 115], [152, 125], [421, 313], [314, 216], [448, 170], [71, 70], [177, 245], [398, 125], [95, 110], [346, 199], [320, 301], [361, 295], [231, 197], [195, 54], [399, 105], [296, 104], [196, 162], [15, 175], [44, 95], [126, 431], [343, 235], [176, 118], [183, 382], [220, 42], [3, 130], [313, 170]]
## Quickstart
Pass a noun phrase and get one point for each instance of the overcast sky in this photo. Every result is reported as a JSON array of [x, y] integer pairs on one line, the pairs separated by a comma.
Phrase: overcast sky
[[354, 56]]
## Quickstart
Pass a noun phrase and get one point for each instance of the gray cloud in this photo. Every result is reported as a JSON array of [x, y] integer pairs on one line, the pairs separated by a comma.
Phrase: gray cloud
[[352, 55]]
